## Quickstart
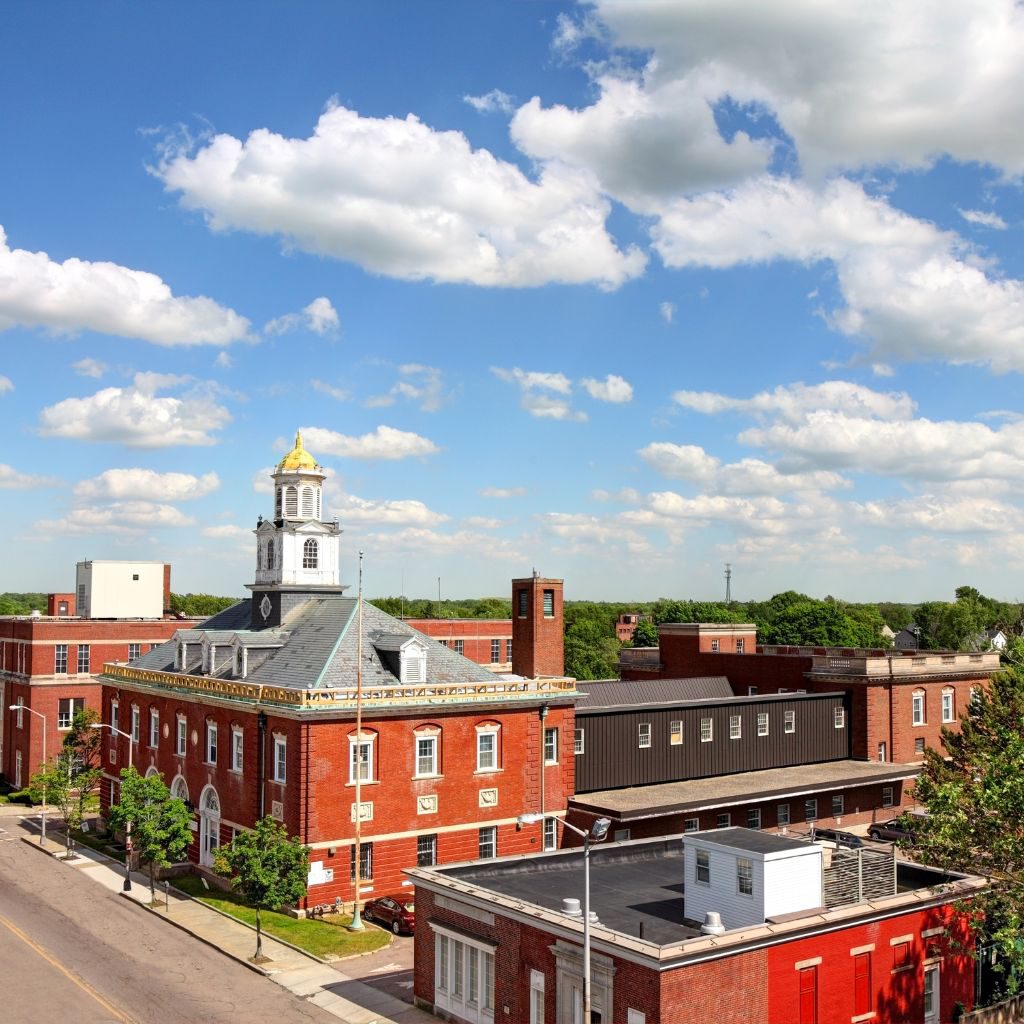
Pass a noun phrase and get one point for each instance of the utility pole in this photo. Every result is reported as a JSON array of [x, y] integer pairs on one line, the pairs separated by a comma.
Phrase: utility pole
[[357, 921]]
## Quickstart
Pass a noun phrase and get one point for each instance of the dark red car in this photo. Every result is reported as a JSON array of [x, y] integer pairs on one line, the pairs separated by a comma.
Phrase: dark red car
[[395, 912]]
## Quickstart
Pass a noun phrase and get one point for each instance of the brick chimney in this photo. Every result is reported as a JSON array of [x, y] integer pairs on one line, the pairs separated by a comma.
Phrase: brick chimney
[[538, 646]]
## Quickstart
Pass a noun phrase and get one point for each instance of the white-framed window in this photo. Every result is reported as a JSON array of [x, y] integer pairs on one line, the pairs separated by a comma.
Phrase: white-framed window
[[495, 652], [635, 1016], [549, 604], [508, 651], [17, 769], [551, 746], [578, 741], [839, 718], [751, 690], [414, 664], [782, 814], [744, 876], [154, 727], [762, 723], [948, 714], [675, 733], [887, 796], [180, 735], [464, 972], [487, 749], [280, 758], [66, 708], [134, 651], [310, 554], [360, 758], [211, 742], [135, 723], [644, 734], [789, 721], [115, 714], [714, 646], [810, 810], [460, 647], [426, 755], [724, 820], [703, 867], [837, 804], [706, 730], [488, 842], [537, 1015], [753, 817], [237, 748], [740, 645], [60, 659], [19, 715], [550, 834], [83, 658], [919, 745], [691, 825], [735, 727], [917, 707], [426, 851]]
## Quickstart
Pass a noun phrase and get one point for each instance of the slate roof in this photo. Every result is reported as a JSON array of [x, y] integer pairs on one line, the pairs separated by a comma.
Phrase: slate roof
[[616, 693], [321, 647]]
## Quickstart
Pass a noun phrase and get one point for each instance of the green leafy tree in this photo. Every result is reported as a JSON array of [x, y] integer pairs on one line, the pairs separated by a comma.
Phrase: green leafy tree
[[82, 743], [646, 634], [157, 822], [974, 793], [58, 781], [267, 867], [199, 606]]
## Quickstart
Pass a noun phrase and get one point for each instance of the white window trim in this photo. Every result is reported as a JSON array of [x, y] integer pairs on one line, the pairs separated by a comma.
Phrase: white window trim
[[579, 741], [366, 739], [918, 714], [643, 738], [280, 771], [675, 733], [211, 733], [488, 730], [425, 737], [839, 718], [136, 723], [762, 723], [154, 720], [789, 722], [553, 733], [735, 727], [948, 701], [237, 756], [180, 735], [709, 735]]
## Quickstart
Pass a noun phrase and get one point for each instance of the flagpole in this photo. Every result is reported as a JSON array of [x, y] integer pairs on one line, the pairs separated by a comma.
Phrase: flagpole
[[357, 921]]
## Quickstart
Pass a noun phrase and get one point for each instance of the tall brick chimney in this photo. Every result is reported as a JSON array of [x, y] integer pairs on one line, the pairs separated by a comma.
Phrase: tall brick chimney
[[167, 588], [538, 645]]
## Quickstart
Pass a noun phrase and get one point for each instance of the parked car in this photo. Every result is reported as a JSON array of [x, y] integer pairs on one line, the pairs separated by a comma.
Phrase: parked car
[[845, 840], [892, 831], [395, 912]]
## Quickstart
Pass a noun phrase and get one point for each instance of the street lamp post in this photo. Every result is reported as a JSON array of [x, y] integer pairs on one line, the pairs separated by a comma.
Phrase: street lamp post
[[598, 830], [38, 714], [127, 887]]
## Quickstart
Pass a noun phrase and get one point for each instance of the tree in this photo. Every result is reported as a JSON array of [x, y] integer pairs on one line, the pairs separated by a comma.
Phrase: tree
[[267, 867], [646, 634], [157, 822], [59, 780], [82, 744], [975, 823]]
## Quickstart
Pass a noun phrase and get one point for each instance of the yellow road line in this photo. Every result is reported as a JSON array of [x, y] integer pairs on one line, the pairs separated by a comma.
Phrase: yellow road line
[[83, 985]]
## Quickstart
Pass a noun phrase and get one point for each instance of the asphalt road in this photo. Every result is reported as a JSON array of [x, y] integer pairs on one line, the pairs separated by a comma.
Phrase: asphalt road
[[69, 949]]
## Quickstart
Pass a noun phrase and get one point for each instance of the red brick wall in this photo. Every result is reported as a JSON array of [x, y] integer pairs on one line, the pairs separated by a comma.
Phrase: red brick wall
[[476, 636], [538, 642], [733, 990]]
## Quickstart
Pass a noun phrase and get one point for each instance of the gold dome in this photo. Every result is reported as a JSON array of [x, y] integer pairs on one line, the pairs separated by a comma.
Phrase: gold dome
[[298, 457]]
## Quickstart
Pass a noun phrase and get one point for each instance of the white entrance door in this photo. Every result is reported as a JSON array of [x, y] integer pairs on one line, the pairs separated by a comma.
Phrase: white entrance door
[[931, 994], [209, 826]]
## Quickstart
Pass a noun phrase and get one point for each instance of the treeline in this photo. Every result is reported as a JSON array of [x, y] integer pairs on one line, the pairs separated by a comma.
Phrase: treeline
[[191, 605], [464, 608]]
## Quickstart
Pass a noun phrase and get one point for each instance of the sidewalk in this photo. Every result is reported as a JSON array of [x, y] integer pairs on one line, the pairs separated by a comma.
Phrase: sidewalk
[[326, 986]]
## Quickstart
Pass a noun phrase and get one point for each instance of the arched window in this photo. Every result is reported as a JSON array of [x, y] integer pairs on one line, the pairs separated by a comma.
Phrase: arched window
[[259, 556], [307, 502], [310, 554], [179, 788], [210, 801], [270, 554], [917, 716], [291, 503]]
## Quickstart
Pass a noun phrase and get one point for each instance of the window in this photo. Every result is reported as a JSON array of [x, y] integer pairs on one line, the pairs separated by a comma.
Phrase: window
[[60, 659], [751, 690], [744, 877], [508, 650], [291, 502], [465, 979], [809, 995], [135, 724], [414, 664], [550, 834], [66, 708], [881, 752], [426, 851], [947, 705], [495, 651], [837, 804], [237, 748], [488, 841], [635, 1016], [134, 651], [523, 603], [360, 759], [211, 742], [782, 814], [675, 733], [735, 727], [365, 861], [703, 867], [310, 554], [900, 955], [810, 810], [919, 745], [887, 794], [839, 718], [789, 721], [762, 723], [537, 997], [181, 728], [551, 746], [487, 750], [691, 825], [83, 658], [622, 835], [20, 716], [17, 769], [426, 755], [307, 502], [740, 643], [577, 741], [753, 817], [714, 645], [861, 984], [917, 706], [115, 716], [280, 756], [549, 604], [705, 730], [644, 734], [724, 820], [154, 727]]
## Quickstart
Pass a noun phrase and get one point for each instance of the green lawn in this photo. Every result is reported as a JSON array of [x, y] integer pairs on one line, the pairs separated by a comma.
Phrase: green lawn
[[323, 938], [102, 845]]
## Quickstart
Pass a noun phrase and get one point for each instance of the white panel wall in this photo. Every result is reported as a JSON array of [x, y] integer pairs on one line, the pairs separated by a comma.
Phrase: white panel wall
[[113, 592], [793, 883]]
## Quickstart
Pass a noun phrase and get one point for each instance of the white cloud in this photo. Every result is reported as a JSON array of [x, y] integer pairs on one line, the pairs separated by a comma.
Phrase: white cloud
[[530, 380], [228, 532], [146, 484], [340, 394], [383, 443], [493, 102], [6, 384], [943, 514], [131, 516], [612, 389], [78, 295], [12, 480], [261, 482], [985, 218], [136, 417], [667, 311], [423, 385], [94, 368], [319, 316], [351, 509], [502, 492], [533, 386], [625, 496], [482, 523], [224, 361], [403, 200], [882, 370], [415, 540], [547, 407], [583, 532]]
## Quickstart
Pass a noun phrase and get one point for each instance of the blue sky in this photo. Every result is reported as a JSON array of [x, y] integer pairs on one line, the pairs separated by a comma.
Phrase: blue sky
[[620, 291]]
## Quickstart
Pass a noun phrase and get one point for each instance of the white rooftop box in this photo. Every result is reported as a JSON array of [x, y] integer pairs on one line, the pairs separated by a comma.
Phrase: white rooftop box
[[120, 590]]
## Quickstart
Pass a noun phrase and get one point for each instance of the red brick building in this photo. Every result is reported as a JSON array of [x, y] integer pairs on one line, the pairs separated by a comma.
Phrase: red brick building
[[486, 641]]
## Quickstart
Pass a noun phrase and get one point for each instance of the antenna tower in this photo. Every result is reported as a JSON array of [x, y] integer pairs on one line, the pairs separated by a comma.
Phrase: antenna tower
[[728, 582]]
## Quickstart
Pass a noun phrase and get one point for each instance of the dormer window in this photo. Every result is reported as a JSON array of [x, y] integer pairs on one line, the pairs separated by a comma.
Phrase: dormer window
[[414, 664]]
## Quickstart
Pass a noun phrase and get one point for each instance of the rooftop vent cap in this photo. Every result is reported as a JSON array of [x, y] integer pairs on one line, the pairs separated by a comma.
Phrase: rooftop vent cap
[[712, 923], [571, 907]]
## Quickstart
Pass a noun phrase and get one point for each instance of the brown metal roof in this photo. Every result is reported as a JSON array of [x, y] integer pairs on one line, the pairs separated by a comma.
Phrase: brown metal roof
[[615, 693]]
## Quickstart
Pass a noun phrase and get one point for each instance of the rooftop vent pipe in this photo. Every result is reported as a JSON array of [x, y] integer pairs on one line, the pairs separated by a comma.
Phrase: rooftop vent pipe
[[712, 923]]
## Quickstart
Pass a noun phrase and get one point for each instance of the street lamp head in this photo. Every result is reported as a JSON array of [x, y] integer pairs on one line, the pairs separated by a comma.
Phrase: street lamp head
[[600, 829], [13, 707], [530, 818]]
